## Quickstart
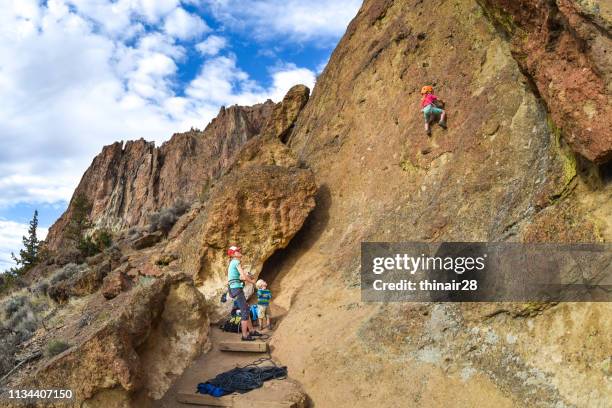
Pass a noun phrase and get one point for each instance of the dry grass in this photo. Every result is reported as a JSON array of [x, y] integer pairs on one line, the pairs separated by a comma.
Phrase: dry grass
[[22, 312]]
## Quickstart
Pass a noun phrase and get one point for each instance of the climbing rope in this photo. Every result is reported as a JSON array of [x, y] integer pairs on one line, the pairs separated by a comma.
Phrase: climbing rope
[[243, 379]]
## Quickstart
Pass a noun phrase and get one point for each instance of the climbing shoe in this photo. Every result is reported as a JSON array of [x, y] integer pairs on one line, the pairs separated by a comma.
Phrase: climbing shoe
[[256, 334], [429, 132], [248, 338], [442, 125]]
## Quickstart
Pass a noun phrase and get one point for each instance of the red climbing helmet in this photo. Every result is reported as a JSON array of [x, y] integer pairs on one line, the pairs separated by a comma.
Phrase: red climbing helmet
[[232, 250], [426, 89]]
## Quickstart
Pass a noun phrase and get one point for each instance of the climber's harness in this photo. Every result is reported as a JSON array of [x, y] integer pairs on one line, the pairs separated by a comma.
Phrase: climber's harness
[[229, 290], [229, 283]]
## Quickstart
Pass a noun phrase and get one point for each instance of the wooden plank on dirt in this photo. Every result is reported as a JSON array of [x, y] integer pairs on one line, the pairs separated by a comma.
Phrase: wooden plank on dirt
[[254, 403], [247, 346], [204, 400]]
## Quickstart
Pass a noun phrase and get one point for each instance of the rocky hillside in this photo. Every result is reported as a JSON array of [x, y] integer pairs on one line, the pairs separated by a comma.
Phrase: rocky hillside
[[300, 184]]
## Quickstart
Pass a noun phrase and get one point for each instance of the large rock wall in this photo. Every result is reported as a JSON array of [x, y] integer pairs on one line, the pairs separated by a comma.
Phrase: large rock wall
[[258, 205], [126, 182], [565, 46], [502, 171]]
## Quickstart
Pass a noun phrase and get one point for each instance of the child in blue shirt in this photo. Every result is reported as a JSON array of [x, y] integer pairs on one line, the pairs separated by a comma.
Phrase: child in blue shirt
[[263, 302]]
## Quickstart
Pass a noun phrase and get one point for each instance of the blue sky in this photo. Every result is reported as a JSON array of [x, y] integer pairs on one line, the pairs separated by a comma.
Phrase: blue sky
[[76, 75]]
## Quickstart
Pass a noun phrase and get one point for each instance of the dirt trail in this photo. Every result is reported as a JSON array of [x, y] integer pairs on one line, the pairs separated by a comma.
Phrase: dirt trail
[[216, 361]]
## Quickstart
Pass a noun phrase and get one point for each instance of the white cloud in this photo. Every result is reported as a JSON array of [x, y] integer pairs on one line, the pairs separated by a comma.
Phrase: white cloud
[[295, 20], [284, 78], [74, 86], [184, 25], [10, 241], [211, 45], [221, 82], [154, 10]]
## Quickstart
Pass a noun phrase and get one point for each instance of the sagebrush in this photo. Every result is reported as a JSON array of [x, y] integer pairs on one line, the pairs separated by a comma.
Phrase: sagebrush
[[165, 219]]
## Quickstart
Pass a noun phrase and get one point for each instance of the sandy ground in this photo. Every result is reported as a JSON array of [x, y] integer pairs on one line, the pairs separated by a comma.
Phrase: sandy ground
[[216, 361]]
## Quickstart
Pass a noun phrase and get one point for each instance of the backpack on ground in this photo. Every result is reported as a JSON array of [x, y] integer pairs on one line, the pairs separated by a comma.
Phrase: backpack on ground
[[232, 324], [254, 312]]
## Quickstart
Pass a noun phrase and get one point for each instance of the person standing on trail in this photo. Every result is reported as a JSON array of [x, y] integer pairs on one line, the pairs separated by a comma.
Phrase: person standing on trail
[[263, 303], [236, 278], [431, 107]]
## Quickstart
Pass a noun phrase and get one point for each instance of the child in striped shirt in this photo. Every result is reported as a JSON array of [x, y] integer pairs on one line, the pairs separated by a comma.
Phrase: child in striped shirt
[[263, 301]]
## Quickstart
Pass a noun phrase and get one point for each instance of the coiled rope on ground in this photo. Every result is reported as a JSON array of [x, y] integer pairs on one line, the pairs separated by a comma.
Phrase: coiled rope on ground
[[246, 378]]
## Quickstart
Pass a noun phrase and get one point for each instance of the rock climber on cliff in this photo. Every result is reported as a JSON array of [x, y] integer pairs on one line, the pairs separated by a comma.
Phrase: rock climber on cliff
[[431, 107], [236, 277]]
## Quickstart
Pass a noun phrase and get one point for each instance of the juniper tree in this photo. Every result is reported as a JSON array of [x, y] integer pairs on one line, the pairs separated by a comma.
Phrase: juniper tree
[[29, 255], [79, 219], [78, 225]]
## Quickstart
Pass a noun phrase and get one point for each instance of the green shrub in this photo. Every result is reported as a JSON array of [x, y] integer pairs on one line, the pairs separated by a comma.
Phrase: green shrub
[[78, 225], [87, 247], [103, 239], [41, 287], [94, 244], [11, 281], [67, 272], [8, 349], [19, 316], [54, 347], [13, 304]]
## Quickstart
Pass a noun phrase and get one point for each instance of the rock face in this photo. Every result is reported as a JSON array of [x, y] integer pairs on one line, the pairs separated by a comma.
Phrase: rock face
[[147, 240], [501, 172], [564, 46], [260, 208], [128, 181], [150, 335]]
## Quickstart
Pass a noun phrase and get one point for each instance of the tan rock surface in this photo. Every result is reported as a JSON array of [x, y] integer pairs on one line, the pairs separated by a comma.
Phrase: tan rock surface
[[133, 346], [500, 172], [258, 207]]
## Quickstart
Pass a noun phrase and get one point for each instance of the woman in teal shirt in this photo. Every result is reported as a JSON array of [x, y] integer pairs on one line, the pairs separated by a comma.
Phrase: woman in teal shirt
[[236, 278]]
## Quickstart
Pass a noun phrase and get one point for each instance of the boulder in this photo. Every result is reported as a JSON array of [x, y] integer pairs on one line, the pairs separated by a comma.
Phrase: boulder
[[114, 284], [83, 283], [143, 343], [285, 113], [147, 240], [258, 207]]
